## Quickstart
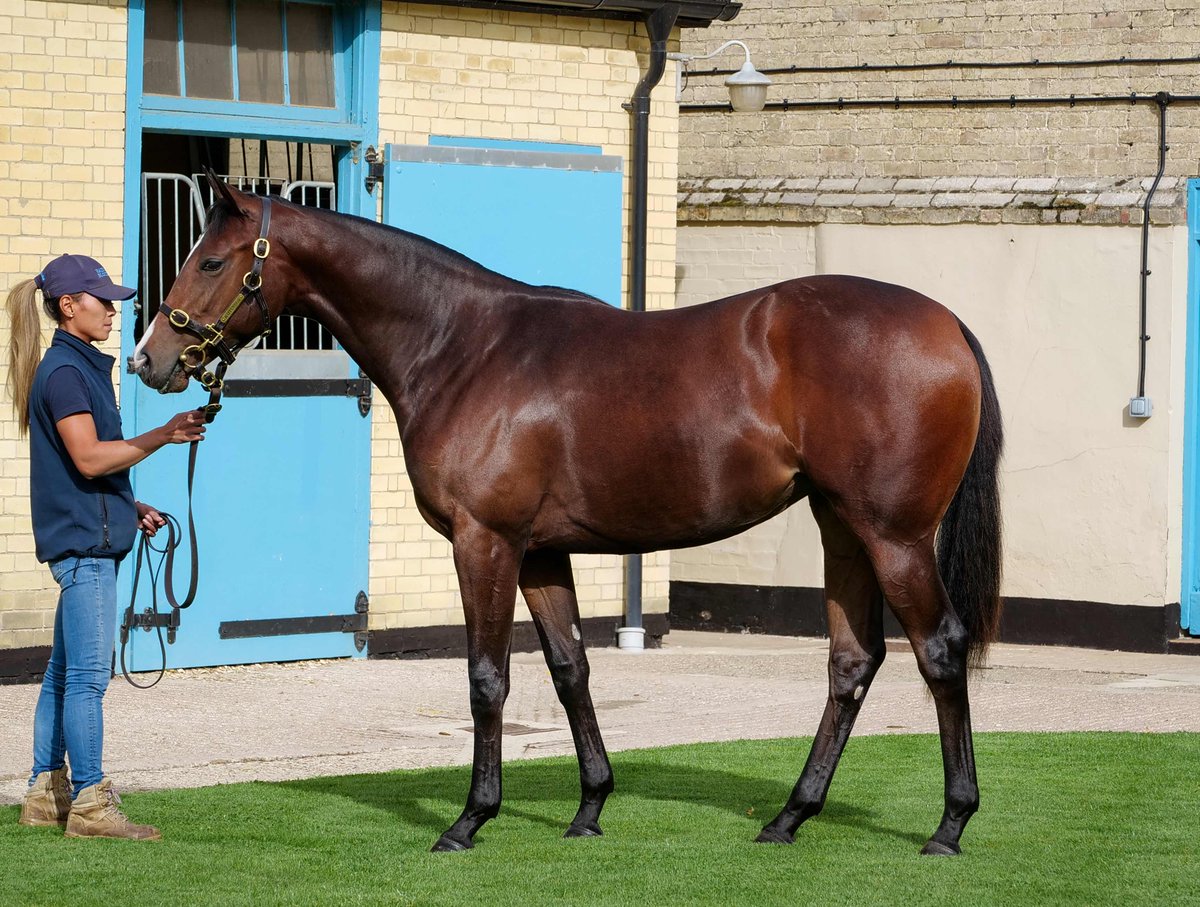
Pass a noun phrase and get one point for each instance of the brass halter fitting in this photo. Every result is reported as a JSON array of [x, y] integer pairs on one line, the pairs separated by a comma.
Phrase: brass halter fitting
[[212, 336], [211, 382], [193, 356]]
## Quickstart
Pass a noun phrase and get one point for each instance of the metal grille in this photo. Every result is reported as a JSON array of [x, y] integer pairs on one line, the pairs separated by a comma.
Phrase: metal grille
[[173, 219]]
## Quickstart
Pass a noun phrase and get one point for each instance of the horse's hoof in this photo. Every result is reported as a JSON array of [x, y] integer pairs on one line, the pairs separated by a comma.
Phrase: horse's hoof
[[583, 831], [771, 835], [449, 845], [937, 849]]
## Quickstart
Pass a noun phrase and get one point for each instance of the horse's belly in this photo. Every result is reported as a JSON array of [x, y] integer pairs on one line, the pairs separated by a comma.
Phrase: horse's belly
[[650, 514]]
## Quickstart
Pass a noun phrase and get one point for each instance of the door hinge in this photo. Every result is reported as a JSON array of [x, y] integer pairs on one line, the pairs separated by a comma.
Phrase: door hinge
[[360, 388], [361, 604], [374, 168]]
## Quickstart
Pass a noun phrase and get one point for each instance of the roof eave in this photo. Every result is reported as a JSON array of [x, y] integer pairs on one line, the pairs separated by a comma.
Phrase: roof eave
[[692, 13]]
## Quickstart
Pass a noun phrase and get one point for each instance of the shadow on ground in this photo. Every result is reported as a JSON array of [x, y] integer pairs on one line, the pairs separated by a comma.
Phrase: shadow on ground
[[431, 800]]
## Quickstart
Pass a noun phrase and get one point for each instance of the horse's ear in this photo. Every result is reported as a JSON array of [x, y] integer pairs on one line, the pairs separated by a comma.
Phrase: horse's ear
[[222, 195]]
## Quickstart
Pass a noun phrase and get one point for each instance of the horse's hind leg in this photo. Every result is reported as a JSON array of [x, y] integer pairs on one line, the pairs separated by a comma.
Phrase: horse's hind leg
[[910, 580], [854, 606], [549, 589], [487, 568]]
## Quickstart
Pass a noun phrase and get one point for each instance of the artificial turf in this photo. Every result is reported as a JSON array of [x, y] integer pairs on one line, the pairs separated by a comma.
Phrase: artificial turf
[[1066, 819]]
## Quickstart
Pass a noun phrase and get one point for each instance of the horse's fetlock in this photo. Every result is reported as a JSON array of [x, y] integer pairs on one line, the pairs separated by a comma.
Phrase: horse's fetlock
[[962, 801], [598, 787]]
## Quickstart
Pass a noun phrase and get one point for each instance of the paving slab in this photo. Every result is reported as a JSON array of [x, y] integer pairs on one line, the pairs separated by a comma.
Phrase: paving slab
[[285, 721]]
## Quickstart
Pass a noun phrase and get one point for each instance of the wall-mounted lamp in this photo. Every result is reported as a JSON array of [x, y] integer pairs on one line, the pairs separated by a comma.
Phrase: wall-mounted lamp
[[747, 87]]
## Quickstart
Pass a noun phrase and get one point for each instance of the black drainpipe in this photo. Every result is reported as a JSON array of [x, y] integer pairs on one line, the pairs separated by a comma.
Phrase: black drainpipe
[[658, 26], [1162, 99]]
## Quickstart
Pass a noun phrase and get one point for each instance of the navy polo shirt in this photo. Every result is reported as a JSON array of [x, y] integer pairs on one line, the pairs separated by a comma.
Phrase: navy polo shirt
[[74, 515]]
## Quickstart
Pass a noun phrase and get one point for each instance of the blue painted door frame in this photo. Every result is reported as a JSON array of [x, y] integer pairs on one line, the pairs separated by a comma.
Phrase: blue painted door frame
[[282, 485], [1189, 601]]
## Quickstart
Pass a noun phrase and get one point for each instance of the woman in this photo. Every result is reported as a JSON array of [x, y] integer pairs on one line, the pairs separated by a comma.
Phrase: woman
[[84, 522]]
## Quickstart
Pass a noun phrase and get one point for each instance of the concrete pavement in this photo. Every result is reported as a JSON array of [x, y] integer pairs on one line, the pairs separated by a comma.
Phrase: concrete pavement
[[275, 722]]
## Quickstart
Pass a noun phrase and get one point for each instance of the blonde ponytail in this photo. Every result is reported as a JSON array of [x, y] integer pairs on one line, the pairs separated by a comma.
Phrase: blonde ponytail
[[24, 348]]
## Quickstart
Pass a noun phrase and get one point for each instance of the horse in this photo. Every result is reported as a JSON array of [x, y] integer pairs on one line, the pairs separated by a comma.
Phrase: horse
[[871, 400]]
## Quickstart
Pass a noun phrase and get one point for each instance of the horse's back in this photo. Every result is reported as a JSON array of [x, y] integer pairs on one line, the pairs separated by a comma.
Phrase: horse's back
[[612, 430]]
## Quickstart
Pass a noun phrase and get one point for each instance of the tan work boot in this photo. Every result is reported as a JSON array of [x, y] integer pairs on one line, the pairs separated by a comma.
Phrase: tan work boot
[[49, 800], [95, 814]]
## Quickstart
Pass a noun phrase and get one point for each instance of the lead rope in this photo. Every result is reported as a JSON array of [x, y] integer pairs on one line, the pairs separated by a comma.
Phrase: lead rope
[[151, 617], [210, 335]]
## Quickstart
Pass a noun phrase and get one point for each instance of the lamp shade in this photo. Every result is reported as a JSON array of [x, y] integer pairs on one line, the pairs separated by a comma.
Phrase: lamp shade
[[747, 88]]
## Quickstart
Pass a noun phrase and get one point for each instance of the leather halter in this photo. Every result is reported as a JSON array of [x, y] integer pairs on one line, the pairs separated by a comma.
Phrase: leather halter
[[213, 335]]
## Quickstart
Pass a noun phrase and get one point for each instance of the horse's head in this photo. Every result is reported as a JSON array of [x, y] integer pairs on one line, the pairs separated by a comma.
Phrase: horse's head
[[219, 302]]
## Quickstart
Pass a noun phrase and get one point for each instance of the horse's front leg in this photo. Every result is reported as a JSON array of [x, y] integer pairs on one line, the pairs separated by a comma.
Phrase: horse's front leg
[[487, 566], [549, 589]]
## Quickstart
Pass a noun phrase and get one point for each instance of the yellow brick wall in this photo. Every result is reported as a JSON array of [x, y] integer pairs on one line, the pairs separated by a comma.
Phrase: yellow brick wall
[[501, 75], [444, 71], [62, 146]]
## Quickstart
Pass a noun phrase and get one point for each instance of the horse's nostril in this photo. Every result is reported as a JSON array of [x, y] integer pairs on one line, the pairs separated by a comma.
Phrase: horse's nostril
[[138, 365]]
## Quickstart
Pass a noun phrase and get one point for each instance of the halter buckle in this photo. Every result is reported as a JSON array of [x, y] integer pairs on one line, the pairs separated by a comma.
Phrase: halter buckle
[[262, 247], [210, 411], [182, 321], [211, 382]]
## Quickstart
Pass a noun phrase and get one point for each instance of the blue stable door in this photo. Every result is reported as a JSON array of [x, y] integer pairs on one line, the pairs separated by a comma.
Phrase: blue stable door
[[281, 505], [543, 214]]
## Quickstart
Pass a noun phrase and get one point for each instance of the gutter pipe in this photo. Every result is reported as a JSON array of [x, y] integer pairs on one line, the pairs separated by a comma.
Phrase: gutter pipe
[[658, 26]]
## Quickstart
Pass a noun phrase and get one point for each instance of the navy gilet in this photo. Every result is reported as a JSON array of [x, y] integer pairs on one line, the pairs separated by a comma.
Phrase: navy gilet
[[74, 515]]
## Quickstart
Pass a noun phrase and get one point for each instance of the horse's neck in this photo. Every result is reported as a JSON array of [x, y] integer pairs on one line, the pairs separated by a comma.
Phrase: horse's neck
[[396, 328]]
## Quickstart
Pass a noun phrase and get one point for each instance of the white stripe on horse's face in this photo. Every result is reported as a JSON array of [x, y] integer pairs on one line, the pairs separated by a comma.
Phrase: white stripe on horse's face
[[137, 360]]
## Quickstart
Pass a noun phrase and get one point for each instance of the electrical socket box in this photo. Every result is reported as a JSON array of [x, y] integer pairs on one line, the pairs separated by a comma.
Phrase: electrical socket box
[[1140, 408]]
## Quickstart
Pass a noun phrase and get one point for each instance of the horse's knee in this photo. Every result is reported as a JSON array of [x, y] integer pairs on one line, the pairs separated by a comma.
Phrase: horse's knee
[[489, 685], [962, 798], [851, 673]]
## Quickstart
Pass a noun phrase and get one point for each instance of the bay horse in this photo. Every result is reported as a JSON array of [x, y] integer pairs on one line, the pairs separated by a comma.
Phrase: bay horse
[[537, 422]]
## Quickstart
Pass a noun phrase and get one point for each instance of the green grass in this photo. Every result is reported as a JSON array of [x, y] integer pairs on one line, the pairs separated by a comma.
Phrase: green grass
[[1066, 819]]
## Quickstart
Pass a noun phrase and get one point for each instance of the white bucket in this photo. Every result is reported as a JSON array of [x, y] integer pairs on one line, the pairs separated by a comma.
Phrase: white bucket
[[632, 639]]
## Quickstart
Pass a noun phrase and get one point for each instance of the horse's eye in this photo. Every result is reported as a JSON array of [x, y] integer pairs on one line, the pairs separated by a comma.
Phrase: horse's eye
[[211, 264]]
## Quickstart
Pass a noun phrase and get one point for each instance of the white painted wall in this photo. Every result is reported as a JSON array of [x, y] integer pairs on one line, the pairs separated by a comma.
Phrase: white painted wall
[[1092, 500]]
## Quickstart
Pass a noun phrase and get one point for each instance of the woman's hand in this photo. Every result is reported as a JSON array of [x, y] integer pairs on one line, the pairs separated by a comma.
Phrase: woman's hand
[[183, 429], [149, 519]]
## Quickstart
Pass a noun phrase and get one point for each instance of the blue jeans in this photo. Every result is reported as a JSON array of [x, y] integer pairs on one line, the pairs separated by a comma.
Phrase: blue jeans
[[69, 718]]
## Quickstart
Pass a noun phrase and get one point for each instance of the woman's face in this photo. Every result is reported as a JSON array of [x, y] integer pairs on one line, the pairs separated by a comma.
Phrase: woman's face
[[86, 317]]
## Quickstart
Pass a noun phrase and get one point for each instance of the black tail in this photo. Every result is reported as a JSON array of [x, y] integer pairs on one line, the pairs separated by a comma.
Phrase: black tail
[[968, 544]]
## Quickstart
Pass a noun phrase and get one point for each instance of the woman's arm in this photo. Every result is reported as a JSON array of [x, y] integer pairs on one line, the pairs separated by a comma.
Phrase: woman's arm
[[94, 458]]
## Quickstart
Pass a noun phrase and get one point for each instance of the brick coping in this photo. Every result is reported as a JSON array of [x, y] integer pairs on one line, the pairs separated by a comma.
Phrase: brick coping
[[934, 200]]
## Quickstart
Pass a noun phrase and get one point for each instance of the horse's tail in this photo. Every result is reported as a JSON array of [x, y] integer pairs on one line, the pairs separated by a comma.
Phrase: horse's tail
[[968, 543]]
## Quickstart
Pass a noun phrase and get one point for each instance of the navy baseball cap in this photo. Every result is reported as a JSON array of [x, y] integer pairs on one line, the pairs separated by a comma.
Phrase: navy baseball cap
[[79, 274]]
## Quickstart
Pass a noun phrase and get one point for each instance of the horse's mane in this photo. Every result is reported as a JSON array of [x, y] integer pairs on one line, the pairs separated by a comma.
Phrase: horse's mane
[[366, 230]]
